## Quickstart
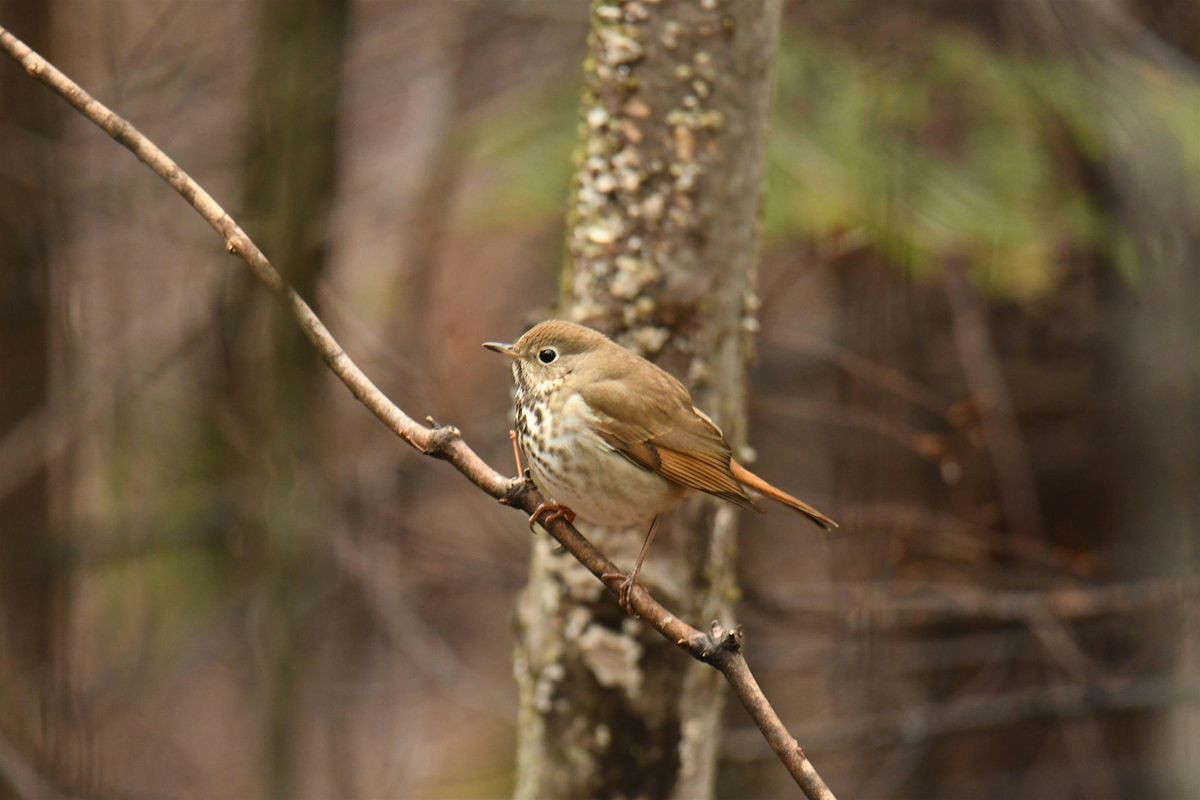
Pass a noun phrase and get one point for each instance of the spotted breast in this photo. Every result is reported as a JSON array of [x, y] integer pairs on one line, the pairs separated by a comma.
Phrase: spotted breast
[[573, 466]]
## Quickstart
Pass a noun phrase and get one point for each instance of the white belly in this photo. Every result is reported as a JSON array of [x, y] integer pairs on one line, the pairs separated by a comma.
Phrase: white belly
[[605, 489]]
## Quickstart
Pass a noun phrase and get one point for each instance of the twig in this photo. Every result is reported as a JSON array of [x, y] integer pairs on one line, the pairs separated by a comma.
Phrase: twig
[[428, 652], [722, 650], [43, 435], [919, 724], [895, 604], [883, 376], [925, 444], [969, 538], [981, 368]]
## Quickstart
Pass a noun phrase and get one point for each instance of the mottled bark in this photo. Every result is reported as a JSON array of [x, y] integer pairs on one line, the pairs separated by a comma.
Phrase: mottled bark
[[663, 241]]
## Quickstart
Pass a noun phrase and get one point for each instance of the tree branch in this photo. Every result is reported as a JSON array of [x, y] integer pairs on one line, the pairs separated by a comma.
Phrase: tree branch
[[910, 603], [920, 724], [722, 650]]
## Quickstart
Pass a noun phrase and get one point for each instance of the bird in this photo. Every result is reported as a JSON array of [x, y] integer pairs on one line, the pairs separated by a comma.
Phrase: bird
[[615, 440]]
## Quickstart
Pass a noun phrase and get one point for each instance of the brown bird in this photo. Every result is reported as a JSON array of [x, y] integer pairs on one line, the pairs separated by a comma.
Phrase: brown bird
[[615, 440]]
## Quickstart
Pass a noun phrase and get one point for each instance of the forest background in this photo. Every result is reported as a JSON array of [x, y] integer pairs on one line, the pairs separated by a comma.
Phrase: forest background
[[976, 327]]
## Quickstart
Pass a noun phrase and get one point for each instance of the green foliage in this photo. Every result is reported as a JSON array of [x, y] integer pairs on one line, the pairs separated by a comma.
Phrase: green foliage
[[948, 149], [163, 571], [522, 154], [1175, 102], [151, 607], [954, 155]]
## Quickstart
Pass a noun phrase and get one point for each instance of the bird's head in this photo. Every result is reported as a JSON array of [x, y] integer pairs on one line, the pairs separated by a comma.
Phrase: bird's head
[[551, 351]]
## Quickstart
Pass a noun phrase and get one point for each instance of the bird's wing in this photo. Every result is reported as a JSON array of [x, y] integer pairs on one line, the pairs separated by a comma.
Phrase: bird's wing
[[657, 428]]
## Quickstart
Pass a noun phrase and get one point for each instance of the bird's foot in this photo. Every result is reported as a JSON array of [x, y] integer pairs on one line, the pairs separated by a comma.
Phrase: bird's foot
[[553, 511], [624, 584]]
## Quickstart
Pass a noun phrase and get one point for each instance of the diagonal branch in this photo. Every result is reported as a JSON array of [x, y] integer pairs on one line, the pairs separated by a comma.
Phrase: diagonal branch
[[720, 649]]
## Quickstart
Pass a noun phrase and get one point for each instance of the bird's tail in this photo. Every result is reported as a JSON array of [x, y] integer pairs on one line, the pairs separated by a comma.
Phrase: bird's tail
[[752, 481]]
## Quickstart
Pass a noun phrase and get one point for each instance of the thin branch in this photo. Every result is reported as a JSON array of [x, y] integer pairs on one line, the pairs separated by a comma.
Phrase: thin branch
[[883, 376], [981, 368], [895, 604], [923, 723], [925, 444], [389, 601], [969, 539], [722, 650], [45, 434]]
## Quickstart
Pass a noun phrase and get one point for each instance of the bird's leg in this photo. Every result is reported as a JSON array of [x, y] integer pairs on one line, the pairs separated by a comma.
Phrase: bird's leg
[[512, 437], [522, 473], [556, 510], [629, 581]]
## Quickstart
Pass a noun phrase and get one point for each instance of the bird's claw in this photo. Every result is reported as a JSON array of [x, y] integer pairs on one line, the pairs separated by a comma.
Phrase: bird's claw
[[624, 590], [556, 511]]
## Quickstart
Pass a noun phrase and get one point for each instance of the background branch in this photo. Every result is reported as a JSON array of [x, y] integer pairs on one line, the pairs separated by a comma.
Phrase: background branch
[[922, 723], [902, 603], [720, 649]]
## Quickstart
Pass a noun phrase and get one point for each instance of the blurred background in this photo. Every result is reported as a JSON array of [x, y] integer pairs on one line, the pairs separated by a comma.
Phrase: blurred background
[[221, 577]]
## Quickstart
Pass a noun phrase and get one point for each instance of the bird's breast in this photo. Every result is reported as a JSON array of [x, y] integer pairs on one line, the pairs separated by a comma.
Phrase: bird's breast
[[572, 465]]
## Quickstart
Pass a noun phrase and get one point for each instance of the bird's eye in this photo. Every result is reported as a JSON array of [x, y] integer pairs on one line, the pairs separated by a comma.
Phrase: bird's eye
[[547, 355]]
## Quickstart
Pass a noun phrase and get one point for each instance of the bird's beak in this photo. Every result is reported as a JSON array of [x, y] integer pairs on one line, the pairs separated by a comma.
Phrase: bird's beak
[[501, 348]]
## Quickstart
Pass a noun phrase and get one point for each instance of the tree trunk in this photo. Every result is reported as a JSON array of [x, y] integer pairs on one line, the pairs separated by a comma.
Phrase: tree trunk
[[33, 575], [27, 561], [291, 165], [663, 239], [1153, 406]]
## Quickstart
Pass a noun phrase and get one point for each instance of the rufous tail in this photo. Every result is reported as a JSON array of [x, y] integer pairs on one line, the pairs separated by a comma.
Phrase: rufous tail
[[752, 481]]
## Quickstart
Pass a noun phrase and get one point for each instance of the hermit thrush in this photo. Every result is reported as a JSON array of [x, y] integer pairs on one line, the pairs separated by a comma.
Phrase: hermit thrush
[[613, 439]]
